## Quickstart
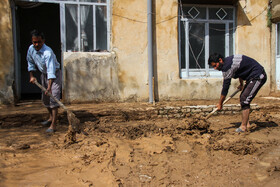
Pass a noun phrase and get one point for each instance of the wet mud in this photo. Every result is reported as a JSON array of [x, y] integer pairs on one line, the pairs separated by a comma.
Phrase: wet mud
[[130, 146]]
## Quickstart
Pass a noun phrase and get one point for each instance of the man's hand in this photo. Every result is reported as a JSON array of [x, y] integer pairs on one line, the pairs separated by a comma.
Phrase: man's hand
[[240, 87], [49, 89], [32, 80], [219, 106]]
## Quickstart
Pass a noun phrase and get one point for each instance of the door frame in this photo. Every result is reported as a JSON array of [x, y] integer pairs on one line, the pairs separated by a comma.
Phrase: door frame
[[17, 91]]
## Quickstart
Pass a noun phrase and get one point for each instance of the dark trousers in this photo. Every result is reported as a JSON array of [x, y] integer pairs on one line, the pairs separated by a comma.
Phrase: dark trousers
[[250, 90]]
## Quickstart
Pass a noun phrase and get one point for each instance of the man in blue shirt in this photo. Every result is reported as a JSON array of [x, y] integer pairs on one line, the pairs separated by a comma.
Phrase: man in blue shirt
[[244, 68], [41, 57]]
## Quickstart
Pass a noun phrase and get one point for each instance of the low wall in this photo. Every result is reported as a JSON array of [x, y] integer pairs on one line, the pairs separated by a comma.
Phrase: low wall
[[203, 110], [90, 77]]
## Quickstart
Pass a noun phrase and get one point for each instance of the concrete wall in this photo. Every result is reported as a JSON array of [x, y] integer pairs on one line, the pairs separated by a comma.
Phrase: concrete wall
[[275, 17], [6, 54], [253, 36], [90, 77], [170, 86], [123, 74], [129, 43]]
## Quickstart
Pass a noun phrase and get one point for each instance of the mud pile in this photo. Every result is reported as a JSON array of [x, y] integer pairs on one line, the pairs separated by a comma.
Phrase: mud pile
[[136, 129], [239, 147]]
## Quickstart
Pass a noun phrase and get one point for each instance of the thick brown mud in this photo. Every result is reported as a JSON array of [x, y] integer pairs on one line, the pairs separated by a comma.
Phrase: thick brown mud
[[129, 145]]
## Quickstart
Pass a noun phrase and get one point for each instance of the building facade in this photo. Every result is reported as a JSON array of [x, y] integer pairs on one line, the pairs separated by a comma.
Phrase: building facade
[[103, 46]]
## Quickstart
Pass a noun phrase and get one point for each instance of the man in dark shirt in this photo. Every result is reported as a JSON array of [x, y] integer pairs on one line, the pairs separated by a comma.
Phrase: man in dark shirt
[[244, 68]]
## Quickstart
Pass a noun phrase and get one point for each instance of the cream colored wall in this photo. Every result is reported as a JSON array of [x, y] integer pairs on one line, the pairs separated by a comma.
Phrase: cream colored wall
[[129, 41], [273, 86], [253, 36], [170, 85], [6, 54]]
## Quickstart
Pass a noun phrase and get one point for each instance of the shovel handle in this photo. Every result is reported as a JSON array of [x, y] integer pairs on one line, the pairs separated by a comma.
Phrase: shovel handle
[[225, 101], [56, 100]]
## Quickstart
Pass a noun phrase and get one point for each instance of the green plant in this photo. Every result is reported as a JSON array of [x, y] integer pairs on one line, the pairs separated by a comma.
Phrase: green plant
[[269, 16]]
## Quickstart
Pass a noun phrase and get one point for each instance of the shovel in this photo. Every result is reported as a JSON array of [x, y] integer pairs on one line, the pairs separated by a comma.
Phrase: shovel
[[225, 101], [74, 123]]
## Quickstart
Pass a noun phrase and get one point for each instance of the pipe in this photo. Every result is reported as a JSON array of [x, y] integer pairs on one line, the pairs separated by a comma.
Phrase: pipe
[[150, 49]]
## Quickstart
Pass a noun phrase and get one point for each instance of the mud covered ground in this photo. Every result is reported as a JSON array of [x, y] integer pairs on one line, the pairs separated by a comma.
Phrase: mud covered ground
[[129, 145]]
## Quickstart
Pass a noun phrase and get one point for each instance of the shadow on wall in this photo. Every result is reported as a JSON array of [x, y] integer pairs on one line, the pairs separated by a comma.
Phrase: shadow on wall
[[242, 19], [275, 11]]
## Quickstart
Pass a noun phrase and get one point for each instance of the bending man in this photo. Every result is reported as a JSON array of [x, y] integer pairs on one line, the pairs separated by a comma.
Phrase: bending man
[[246, 69]]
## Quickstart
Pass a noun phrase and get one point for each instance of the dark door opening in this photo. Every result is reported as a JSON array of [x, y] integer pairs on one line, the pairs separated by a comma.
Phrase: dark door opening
[[46, 18]]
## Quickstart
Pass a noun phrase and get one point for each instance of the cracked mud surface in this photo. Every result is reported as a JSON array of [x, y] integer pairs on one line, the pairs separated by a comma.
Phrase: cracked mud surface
[[128, 145]]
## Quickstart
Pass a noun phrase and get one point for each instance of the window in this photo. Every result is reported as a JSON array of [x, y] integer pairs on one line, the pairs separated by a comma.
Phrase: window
[[204, 30], [84, 24], [278, 39], [277, 63]]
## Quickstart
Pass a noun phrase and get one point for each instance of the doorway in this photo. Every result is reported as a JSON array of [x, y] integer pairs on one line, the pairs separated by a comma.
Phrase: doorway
[[46, 18]]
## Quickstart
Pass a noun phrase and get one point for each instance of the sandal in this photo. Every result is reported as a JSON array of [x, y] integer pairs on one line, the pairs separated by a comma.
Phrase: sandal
[[46, 122], [50, 130], [239, 130]]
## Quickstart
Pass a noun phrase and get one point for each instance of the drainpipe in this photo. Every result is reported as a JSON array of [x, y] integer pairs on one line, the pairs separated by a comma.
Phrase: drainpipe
[[150, 50]]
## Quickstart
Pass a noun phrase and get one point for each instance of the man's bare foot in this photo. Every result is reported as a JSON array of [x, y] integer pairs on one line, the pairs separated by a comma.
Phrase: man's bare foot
[[248, 125]]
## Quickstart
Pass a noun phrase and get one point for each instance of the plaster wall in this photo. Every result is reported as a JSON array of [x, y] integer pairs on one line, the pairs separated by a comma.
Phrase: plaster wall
[[129, 41], [253, 36], [275, 18], [6, 54], [123, 74], [90, 77], [170, 85], [273, 83]]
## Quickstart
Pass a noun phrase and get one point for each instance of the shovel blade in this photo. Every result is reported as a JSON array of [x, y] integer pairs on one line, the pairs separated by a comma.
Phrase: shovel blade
[[74, 122]]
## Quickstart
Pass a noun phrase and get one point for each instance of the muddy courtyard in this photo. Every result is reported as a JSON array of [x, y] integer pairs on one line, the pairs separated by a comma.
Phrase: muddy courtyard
[[131, 145]]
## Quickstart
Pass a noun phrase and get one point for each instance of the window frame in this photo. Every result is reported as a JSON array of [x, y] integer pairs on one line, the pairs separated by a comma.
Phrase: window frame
[[277, 55], [188, 73], [62, 4]]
